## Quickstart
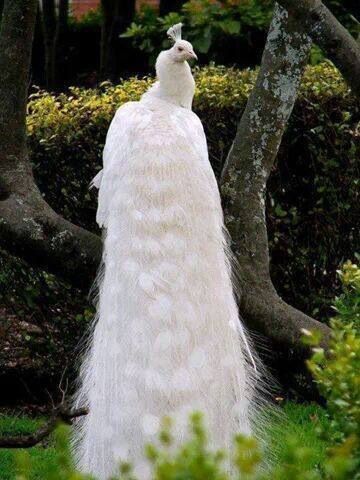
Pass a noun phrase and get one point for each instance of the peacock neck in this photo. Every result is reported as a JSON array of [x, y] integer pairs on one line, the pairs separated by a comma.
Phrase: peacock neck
[[175, 84]]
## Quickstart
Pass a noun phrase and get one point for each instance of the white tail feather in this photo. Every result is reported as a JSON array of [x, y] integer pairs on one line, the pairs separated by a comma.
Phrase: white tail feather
[[167, 338], [96, 181]]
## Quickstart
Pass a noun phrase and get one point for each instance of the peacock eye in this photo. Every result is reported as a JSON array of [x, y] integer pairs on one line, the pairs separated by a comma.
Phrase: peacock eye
[[180, 49]]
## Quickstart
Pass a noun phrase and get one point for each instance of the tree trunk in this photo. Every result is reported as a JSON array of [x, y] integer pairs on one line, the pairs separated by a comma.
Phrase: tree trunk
[[117, 16], [244, 178], [61, 42], [63, 17], [107, 7], [16, 36], [330, 35], [126, 11], [1, 9], [49, 28], [167, 6], [28, 226]]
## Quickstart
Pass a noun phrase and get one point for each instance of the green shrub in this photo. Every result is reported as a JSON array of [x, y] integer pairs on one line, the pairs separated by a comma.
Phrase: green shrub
[[210, 26], [347, 305], [337, 376], [336, 372]]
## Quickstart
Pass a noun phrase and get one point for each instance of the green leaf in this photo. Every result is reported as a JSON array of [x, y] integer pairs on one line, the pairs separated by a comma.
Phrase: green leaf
[[279, 212], [202, 44], [232, 27]]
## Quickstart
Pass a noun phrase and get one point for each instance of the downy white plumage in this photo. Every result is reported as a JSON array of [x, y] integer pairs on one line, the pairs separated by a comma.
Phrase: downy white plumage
[[167, 338]]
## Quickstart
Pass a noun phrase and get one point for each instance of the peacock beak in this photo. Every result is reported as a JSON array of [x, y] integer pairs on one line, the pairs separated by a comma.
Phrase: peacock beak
[[192, 54]]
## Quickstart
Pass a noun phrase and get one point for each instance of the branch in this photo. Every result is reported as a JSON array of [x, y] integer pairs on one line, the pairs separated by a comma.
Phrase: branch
[[29, 228], [330, 35], [59, 414], [49, 23], [244, 178]]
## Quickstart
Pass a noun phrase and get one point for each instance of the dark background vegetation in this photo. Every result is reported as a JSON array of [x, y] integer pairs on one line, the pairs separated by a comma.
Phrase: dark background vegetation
[[79, 53]]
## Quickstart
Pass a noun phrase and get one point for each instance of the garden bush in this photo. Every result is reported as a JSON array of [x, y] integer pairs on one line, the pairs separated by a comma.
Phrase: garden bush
[[232, 32], [336, 372]]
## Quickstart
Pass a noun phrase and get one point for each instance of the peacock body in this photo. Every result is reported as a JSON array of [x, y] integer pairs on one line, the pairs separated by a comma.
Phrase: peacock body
[[167, 338]]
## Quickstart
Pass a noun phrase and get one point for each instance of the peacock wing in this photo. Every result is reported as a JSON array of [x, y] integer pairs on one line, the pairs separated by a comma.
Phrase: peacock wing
[[124, 127]]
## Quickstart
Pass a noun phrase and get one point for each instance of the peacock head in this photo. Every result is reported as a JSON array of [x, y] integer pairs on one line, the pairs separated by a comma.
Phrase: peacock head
[[181, 50]]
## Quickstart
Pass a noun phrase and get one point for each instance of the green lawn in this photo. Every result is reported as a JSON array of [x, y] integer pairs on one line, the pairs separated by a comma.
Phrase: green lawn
[[298, 420], [41, 456]]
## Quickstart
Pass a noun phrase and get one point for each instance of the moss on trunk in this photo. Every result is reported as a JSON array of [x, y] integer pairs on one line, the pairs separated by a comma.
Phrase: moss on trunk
[[244, 178]]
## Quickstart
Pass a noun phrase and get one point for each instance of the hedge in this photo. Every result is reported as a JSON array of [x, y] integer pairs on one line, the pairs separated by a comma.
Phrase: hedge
[[313, 194]]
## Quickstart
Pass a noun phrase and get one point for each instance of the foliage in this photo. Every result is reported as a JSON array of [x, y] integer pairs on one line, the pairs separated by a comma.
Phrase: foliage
[[337, 377], [336, 372], [347, 12], [195, 460], [210, 26], [41, 458], [208, 23], [347, 305], [92, 18], [42, 320], [302, 421], [303, 455], [215, 27]]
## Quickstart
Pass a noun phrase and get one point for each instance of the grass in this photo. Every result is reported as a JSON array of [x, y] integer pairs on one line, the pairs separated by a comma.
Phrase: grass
[[42, 456], [299, 420]]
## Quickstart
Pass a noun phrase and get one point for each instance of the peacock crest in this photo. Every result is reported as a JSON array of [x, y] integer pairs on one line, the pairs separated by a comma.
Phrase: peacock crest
[[174, 32]]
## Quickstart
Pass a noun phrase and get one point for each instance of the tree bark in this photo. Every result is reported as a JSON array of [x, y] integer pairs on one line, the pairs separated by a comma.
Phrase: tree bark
[[63, 17], [16, 35], [61, 45], [167, 6], [49, 29], [330, 35], [108, 9], [1, 9], [28, 226], [60, 414], [244, 178], [117, 16]]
